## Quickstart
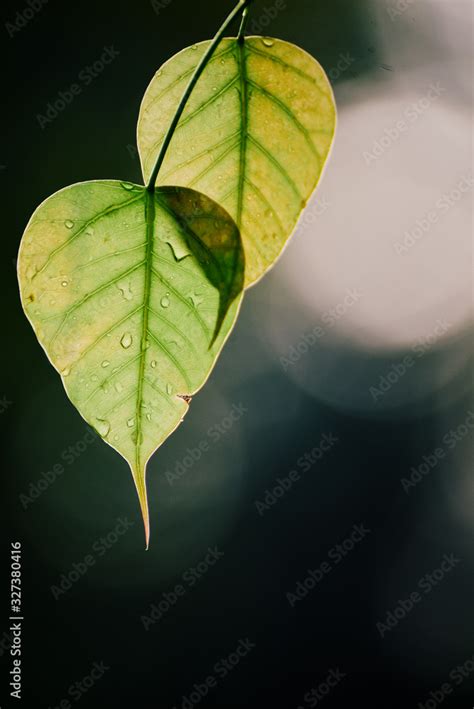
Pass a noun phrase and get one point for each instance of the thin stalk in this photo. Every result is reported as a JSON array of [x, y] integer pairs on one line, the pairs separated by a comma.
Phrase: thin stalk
[[241, 6], [243, 25]]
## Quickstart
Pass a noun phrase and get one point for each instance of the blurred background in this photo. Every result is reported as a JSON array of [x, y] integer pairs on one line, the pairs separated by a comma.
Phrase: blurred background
[[350, 365]]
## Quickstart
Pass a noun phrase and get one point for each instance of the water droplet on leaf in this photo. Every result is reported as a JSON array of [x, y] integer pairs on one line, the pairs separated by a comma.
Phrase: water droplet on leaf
[[102, 427], [125, 290], [195, 299], [178, 249], [126, 340], [68, 224], [165, 301], [105, 363]]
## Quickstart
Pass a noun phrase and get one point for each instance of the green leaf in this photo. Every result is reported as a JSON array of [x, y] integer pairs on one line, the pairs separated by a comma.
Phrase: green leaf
[[132, 295], [254, 136]]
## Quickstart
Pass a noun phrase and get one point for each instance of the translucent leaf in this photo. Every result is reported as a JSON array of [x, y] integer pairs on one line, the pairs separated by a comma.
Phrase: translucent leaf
[[254, 136], [132, 295]]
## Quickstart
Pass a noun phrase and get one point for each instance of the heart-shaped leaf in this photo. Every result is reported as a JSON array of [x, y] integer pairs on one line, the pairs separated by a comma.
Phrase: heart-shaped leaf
[[132, 294], [254, 136]]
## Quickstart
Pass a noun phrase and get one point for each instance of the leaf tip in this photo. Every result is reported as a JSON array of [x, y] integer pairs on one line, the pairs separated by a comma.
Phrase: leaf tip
[[139, 478]]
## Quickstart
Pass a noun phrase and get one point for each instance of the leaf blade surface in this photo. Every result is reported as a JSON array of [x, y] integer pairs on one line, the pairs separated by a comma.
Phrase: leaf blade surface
[[254, 136], [132, 296]]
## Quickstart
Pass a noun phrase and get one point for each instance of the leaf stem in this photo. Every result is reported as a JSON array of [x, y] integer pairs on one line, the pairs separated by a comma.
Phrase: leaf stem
[[243, 25], [241, 6]]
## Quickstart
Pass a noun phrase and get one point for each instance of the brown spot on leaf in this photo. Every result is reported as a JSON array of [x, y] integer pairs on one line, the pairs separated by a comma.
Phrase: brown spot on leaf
[[185, 397]]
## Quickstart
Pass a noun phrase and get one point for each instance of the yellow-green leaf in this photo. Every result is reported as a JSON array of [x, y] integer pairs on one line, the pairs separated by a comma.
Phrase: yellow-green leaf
[[132, 295], [254, 136]]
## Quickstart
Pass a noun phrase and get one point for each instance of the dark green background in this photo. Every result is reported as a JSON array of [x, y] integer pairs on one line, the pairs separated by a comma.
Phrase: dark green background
[[243, 595]]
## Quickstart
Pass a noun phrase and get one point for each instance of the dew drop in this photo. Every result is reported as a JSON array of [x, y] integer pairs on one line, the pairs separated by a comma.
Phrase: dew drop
[[52, 301], [148, 417], [126, 340], [64, 283], [102, 427], [94, 377], [65, 372], [195, 299], [131, 423], [268, 42], [68, 224], [178, 249], [165, 301], [127, 185], [90, 231], [105, 363], [137, 437], [116, 437], [118, 387], [125, 290], [153, 363], [169, 389], [194, 47], [159, 73]]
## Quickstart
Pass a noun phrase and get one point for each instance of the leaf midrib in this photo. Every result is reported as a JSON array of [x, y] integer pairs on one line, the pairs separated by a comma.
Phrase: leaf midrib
[[149, 205], [244, 100]]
